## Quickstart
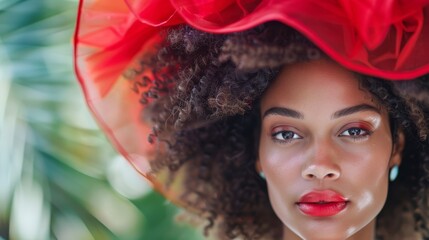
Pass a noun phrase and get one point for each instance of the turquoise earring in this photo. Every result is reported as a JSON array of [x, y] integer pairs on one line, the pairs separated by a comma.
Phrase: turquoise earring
[[262, 175], [393, 173]]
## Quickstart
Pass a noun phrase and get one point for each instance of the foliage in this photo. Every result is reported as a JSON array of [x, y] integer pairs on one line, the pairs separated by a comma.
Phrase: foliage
[[59, 177]]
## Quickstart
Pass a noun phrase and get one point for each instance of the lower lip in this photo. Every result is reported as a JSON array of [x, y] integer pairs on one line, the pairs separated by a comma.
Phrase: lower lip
[[322, 209]]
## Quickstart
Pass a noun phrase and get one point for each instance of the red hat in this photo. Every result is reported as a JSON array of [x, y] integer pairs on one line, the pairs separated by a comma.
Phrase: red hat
[[382, 38]]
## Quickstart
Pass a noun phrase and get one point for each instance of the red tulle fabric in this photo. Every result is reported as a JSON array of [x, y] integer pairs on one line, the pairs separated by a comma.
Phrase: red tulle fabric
[[383, 38]]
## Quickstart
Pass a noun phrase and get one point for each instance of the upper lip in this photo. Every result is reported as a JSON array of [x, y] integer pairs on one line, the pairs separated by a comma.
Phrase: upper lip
[[324, 196]]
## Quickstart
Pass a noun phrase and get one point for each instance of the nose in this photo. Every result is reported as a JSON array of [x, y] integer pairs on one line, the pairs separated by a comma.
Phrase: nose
[[320, 172], [321, 164]]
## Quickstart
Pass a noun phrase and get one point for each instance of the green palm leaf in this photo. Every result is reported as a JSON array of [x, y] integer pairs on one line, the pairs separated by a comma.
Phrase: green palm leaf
[[59, 177]]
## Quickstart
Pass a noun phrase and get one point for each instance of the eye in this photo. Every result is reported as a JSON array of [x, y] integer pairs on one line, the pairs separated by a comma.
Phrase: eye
[[355, 133], [285, 136]]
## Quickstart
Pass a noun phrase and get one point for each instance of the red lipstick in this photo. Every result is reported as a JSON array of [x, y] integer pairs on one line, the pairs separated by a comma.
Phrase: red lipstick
[[322, 203]]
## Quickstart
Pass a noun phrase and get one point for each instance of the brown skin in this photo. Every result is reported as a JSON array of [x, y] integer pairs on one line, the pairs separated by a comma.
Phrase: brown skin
[[318, 151]]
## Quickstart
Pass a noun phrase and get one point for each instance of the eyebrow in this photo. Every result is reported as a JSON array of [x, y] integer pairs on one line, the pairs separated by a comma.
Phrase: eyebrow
[[282, 111], [287, 112], [354, 109]]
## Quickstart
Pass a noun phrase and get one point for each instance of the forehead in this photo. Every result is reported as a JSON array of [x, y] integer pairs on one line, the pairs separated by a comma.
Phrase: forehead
[[316, 84]]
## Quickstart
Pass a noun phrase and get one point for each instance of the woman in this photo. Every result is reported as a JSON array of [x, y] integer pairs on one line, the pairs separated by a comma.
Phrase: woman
[[264, 135]]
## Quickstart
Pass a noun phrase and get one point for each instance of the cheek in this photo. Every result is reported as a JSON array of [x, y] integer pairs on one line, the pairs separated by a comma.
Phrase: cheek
[[283, 173], [366, 177], [277, 162], [282, 166], [368, 163], [368, 185]]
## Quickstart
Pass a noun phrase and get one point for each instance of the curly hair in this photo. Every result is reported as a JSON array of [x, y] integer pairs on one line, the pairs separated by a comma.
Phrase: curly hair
[[203, 102]]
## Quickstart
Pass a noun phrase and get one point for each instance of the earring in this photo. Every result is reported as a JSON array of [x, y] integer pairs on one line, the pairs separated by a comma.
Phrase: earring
[[393, 173], [262, 175]]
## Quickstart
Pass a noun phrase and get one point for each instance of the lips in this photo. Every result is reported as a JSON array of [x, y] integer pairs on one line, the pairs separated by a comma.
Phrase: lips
[[322, 203]]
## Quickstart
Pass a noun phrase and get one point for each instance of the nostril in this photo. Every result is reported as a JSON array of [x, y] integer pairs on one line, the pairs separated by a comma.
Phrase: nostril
[[320, 172], [310, 176]]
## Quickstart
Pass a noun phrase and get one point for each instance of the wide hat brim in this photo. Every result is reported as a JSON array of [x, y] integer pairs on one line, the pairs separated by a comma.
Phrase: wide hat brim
[[383, 38]]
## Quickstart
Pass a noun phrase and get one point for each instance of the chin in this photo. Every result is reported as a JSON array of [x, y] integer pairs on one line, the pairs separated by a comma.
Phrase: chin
[[323, 229], [324, 236]]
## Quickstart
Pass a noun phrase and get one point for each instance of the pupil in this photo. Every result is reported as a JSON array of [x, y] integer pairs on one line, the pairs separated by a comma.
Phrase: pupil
[[287, 135], [354, 131]]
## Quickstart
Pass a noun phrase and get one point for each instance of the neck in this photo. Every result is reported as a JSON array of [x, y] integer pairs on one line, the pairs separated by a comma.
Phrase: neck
[[367, 232]]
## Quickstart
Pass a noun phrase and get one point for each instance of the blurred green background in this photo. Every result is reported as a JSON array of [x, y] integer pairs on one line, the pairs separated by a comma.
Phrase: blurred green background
[[59, 177]]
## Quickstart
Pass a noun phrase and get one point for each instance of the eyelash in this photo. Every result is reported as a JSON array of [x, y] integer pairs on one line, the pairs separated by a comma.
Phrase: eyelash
[[362, 136], [288, 140]]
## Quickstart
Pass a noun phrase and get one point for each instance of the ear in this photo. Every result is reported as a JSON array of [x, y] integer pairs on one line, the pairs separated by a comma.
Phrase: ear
[[398, 148]]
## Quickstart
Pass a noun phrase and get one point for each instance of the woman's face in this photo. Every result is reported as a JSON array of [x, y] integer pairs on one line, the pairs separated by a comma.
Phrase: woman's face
[[325, 149]]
